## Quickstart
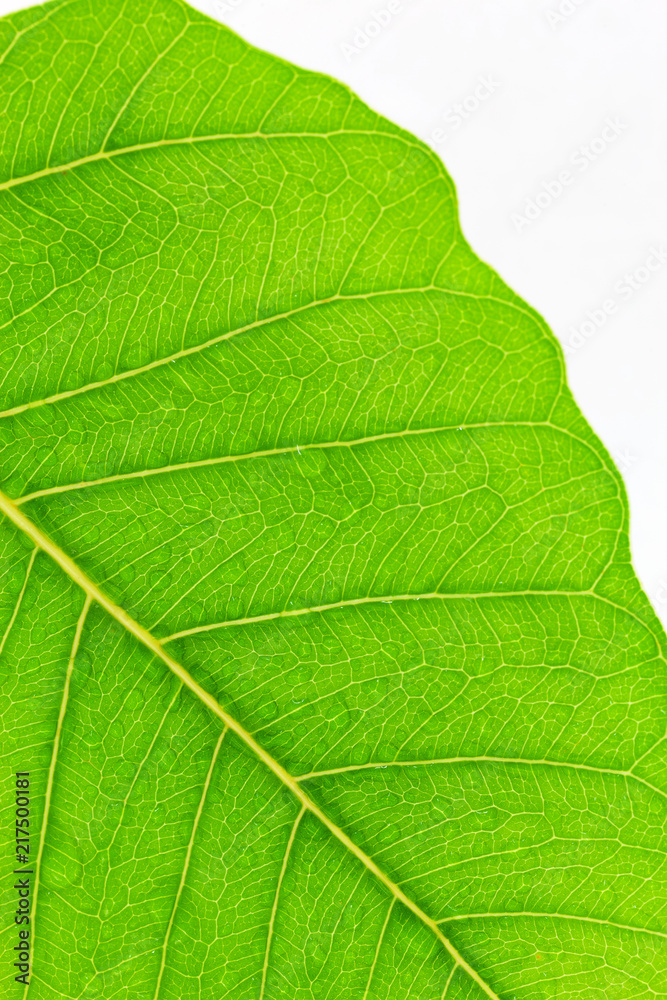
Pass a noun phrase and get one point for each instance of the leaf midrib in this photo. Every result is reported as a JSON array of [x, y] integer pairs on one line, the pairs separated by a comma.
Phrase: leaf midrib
[[93, 592]]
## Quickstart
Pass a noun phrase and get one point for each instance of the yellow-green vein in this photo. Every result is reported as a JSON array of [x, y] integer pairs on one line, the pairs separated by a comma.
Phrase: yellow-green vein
[[19, 600], [276, 898], [186, 863], [75, 572]]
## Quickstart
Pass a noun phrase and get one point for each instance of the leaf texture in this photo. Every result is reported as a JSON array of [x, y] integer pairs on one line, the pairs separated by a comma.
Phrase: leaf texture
[[320, 635]]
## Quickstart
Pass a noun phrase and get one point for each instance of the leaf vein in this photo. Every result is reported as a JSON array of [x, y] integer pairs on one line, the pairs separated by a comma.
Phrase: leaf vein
[[274, 907], [68, 565], [554, 916], [486, 759], [255, 325], [186, 863]]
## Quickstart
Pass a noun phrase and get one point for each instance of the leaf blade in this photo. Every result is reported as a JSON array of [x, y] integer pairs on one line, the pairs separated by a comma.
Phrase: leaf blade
[[246, 457]]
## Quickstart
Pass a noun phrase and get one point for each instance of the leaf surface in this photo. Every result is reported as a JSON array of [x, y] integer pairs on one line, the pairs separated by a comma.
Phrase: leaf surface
[[320, 636]]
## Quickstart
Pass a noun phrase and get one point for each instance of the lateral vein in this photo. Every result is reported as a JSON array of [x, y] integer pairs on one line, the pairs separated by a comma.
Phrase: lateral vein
[[19, 600], [554, 916], [186, 864], [108, 154], [378, 947], [255, 325], [274, 908], [528, 762], [295, 449], [449, 980], [381, 599]]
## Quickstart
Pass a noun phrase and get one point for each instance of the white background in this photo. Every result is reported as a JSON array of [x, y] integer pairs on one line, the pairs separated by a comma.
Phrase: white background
[[557, 69]]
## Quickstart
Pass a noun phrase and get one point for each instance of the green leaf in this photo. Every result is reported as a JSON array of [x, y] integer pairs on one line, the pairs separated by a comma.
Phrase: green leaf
[[320, 637]]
